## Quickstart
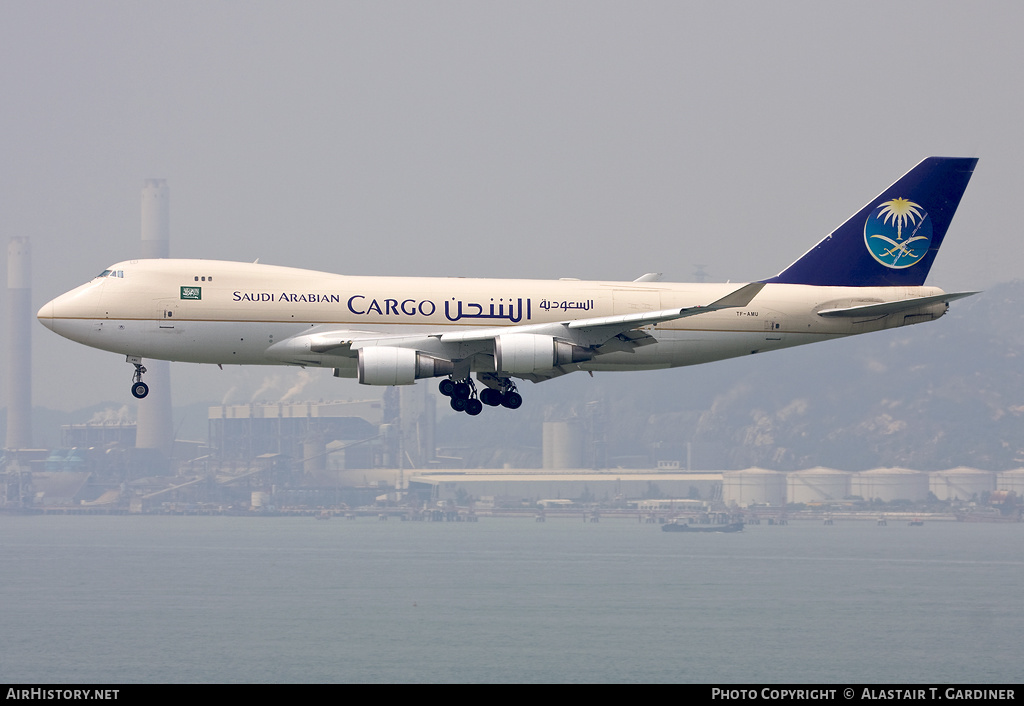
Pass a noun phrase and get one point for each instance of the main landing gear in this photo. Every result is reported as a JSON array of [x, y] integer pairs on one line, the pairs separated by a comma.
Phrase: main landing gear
[[464, 397], [139, 388]]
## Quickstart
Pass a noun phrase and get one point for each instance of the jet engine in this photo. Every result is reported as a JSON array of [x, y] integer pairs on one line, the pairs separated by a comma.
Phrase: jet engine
[[519, 353], [387, 365]]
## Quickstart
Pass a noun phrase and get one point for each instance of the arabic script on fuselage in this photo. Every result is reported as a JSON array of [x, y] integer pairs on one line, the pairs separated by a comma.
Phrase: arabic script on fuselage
[[497, 308]]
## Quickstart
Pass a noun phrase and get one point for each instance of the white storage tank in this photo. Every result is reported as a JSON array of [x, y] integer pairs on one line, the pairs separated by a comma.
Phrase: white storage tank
[[888, 484], [754, 485], [817, 485], [961, 483]]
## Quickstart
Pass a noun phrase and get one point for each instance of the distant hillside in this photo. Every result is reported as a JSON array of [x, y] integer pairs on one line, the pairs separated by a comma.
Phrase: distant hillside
[[931, 396]]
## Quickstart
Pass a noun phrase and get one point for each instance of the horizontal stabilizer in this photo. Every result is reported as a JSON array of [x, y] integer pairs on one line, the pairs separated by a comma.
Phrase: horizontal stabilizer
[[893, 307]]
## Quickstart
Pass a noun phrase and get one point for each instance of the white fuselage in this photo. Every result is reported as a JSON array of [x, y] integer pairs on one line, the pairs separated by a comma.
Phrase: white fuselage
[[205, 311]]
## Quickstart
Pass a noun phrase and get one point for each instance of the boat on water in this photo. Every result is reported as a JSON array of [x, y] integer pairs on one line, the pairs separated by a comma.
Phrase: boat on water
[[674, 526]]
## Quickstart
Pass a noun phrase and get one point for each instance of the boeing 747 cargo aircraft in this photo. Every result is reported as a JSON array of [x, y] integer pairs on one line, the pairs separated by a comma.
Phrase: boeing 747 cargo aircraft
[[867, 275]]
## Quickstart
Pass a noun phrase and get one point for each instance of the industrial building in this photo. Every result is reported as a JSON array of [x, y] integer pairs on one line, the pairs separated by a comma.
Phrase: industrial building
[[582, 486], [298, 431]]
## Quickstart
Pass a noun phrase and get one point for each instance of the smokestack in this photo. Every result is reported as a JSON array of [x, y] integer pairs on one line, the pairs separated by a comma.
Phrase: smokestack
[[154, 427], [156, 219], [19, 344], [418, 425]]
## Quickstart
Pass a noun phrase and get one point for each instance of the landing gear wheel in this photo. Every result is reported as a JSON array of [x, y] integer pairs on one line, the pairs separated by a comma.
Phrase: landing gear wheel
[[139, 388], [512, 400], [463, 395], [491, 398]]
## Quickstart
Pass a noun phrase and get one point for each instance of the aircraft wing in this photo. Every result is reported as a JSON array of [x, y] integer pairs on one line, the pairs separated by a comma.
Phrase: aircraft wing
[[597, 330], [893, 307], [600, 334]]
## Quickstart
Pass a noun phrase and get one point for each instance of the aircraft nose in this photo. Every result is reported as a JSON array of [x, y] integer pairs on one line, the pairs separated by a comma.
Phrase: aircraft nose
[[60, 313], [45, 315]]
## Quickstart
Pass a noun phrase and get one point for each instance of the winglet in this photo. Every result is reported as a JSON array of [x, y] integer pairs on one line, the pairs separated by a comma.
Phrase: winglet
[[741, 297]]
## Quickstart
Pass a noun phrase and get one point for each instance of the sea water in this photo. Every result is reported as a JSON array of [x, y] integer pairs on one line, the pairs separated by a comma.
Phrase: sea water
[[239, 599]]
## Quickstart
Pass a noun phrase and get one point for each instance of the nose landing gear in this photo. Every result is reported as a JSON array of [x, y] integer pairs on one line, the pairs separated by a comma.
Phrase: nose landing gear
[[139, 388]]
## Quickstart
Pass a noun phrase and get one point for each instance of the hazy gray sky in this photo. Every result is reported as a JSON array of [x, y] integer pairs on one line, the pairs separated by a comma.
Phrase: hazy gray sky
[[587, 139]]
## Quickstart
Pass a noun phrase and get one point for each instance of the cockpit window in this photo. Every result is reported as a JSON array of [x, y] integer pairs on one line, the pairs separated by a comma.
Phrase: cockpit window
[[105, 273], [111, 273]]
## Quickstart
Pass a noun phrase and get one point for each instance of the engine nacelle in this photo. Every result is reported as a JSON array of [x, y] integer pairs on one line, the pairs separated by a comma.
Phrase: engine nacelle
[[519, 353], [387, 365]]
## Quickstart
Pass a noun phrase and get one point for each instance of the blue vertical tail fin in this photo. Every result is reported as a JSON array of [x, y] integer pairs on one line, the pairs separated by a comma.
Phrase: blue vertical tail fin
[[893, 240]]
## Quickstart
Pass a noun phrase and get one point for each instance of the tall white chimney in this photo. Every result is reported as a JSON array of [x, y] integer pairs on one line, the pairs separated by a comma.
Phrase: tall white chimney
[[154, 426], [19, 344]]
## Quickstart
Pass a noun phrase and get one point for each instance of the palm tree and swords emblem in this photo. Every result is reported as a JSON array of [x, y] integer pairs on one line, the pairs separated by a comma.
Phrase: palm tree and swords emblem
[[883, 233]]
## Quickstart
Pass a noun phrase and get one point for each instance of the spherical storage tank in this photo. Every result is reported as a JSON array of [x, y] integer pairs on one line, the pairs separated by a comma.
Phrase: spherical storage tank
[[817, 485], [961, 483], [754, 485], [888, 484]]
